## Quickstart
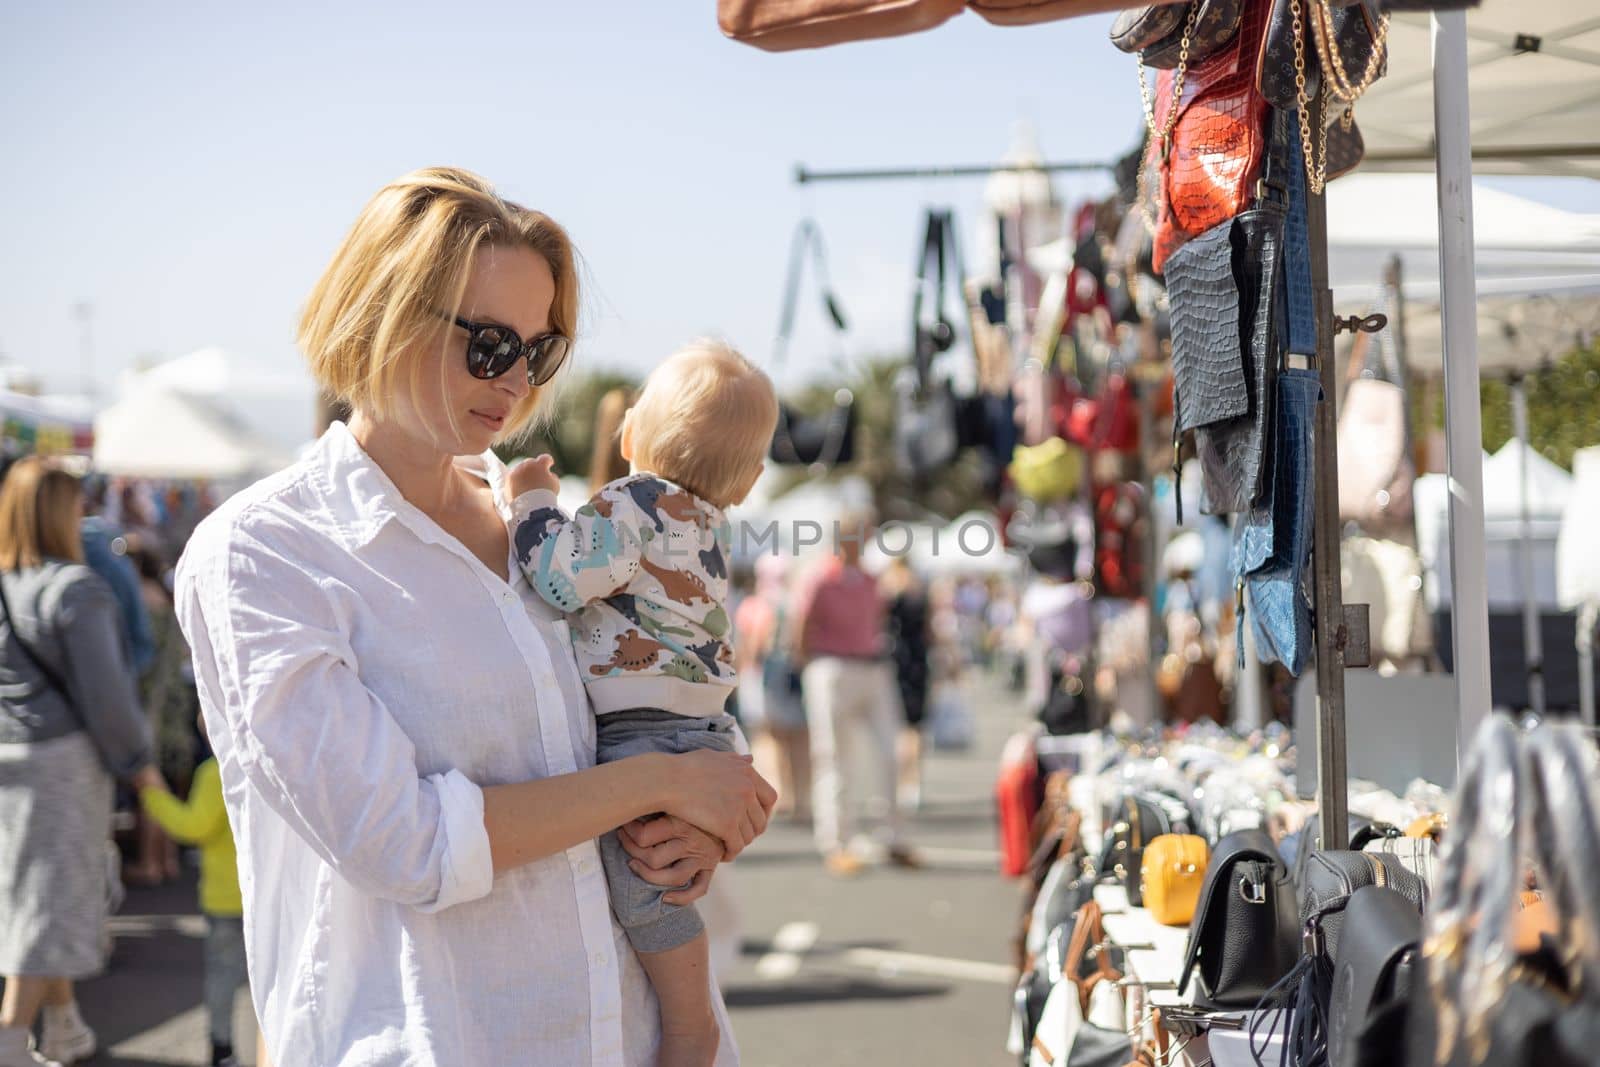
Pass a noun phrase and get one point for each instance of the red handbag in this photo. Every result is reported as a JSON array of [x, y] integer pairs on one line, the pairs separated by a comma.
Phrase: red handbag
[[1210, 162], [1109, 422]]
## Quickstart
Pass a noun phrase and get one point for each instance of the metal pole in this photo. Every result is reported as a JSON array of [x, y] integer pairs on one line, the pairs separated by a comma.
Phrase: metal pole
[[1328, 603], [1469, 606], [1532, 639], [803, 174]]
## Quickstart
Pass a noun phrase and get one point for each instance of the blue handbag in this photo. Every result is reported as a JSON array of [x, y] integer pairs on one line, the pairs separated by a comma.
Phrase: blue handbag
[[1272, 542]]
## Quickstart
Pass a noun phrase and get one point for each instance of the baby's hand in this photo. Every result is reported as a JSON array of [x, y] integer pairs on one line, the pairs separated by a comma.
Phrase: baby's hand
[[535, 473]]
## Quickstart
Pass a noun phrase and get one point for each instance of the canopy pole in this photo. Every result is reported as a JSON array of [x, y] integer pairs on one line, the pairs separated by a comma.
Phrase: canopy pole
[[1327, 588], [1469, 606], [1532, 639]]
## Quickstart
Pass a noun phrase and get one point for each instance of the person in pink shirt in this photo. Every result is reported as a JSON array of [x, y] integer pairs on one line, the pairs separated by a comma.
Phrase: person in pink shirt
[[850, 693]]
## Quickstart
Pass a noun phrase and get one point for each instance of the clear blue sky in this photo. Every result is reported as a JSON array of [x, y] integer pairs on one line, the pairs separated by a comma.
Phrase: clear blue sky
[[189, 168]]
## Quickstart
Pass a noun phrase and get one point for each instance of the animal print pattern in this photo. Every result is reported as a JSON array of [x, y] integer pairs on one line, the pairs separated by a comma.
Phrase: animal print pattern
[[642, 570]]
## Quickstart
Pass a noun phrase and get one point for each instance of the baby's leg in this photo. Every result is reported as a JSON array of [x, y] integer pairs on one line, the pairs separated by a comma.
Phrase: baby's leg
[[682, 980]]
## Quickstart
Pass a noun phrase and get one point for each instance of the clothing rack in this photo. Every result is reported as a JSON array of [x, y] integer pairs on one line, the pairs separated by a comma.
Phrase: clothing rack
[[1340, 632]]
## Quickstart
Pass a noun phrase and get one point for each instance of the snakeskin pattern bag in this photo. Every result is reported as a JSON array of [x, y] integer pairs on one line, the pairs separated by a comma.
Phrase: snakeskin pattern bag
[[1210, 157]]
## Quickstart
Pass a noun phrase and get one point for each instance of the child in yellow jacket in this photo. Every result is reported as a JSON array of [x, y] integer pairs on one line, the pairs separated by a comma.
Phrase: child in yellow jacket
[[203, 821]]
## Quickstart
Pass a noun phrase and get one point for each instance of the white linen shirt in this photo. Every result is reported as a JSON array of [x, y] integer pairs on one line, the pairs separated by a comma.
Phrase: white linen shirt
[[362, 676]]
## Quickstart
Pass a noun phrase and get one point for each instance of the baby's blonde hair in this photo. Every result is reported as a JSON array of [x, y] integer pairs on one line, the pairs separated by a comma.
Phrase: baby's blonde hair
[[404, 262], [705, 421]]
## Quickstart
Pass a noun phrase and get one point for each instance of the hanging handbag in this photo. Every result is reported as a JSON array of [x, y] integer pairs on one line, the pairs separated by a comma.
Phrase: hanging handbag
[[1335, 874], [1171, 874], [1522, 801], [1376, 471], [927, 429], [1048, 472], [1157, 34], [1207, 140], [1143, 817], [1272, 540], [781, 25], [1373, 979], [1065, 1036], [1244, 936], [800, 439]]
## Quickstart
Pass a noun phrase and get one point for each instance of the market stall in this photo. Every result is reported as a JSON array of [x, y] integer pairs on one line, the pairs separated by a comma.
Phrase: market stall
[[1250, 114]]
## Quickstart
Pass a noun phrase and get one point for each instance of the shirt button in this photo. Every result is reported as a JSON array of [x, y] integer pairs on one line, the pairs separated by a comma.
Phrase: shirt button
[[583, 865], [601, 959]]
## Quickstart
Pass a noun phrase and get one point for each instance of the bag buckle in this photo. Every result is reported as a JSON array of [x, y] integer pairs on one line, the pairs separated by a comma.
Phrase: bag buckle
[[1313, 940], [1252, 892]]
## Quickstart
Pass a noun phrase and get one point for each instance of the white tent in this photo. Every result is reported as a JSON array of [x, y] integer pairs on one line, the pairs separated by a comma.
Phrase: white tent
[[158, 433], [1550, 489], [1578, 566], [1535, 75], [278, 403], [1538, 267]]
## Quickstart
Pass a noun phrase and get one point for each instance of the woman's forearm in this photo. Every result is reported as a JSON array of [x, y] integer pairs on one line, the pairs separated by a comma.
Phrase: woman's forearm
[[527, 821]]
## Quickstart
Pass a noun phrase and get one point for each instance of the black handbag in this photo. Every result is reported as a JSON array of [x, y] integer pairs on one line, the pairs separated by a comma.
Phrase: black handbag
[[1244, 937], [1373, 978], [1236, 454], [800, 439], [1225, 345], [1141, 819], [1336, 874], [1356, 32], [928, 434]]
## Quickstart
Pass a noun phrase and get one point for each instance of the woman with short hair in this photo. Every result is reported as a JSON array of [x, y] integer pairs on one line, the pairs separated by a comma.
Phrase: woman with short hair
[[406, 749], [70, 724]]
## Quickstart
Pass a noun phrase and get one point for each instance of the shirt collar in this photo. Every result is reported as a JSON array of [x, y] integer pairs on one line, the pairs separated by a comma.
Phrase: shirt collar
[[362, 499]]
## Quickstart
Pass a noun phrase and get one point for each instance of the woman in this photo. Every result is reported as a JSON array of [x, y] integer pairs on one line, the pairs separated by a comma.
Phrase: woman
[[909, 637], [405, 746], [167, 695], [69, 725], [769, 687]]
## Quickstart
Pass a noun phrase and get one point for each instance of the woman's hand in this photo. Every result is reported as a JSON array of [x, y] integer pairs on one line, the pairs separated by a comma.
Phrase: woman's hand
[[722, 794], [669, 852]]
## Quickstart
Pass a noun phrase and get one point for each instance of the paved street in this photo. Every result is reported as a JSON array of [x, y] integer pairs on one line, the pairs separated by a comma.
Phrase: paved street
[[892, 967]]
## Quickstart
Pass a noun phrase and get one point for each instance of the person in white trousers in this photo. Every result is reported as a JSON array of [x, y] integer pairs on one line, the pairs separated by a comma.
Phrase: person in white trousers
[[850, 695]]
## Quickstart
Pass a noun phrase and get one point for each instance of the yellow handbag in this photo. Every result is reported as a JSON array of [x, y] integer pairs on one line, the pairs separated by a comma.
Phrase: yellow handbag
[[1172, 872], [1049, 471]]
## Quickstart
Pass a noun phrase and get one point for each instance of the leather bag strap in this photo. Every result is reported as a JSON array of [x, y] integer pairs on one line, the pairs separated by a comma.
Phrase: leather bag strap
[[807, 239]]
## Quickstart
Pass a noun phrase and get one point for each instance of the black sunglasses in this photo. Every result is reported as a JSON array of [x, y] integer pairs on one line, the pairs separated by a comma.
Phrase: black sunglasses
[[493, 349]]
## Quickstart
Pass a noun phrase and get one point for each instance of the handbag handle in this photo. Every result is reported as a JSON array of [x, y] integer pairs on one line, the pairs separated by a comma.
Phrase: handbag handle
[[807, 238]]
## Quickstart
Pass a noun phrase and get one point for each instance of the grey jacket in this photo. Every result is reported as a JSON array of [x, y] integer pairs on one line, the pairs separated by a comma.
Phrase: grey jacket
[[69, 617]]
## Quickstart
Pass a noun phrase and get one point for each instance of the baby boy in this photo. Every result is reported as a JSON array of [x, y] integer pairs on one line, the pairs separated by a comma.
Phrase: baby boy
[[642, 571]]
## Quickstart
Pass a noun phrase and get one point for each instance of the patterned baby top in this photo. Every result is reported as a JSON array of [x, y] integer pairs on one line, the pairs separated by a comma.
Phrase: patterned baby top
[[641, 570]]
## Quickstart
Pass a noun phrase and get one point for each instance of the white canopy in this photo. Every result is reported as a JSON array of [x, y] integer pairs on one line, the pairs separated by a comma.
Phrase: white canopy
[[278, 403], [158, 433], [1535, 85], [1577, 562], [1550, 490], [1538, 267]]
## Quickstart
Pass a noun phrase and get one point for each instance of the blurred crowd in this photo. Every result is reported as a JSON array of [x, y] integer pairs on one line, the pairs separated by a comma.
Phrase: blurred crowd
[[100, 726]]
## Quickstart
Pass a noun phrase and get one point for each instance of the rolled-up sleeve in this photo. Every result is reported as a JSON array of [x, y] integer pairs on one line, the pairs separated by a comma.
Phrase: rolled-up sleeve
[[276, 670]]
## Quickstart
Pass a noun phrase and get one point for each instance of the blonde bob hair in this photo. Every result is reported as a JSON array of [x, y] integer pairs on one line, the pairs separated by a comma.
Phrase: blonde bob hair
[[39, 515], [406, 259]]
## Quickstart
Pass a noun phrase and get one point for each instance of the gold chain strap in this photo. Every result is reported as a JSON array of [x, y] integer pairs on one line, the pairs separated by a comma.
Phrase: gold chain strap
[[1173, 106], [1316, 163], [1345, 88]]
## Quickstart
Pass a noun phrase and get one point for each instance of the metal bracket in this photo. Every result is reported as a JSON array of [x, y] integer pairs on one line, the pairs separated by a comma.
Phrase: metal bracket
[[1356, 324], [1355, 636]]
